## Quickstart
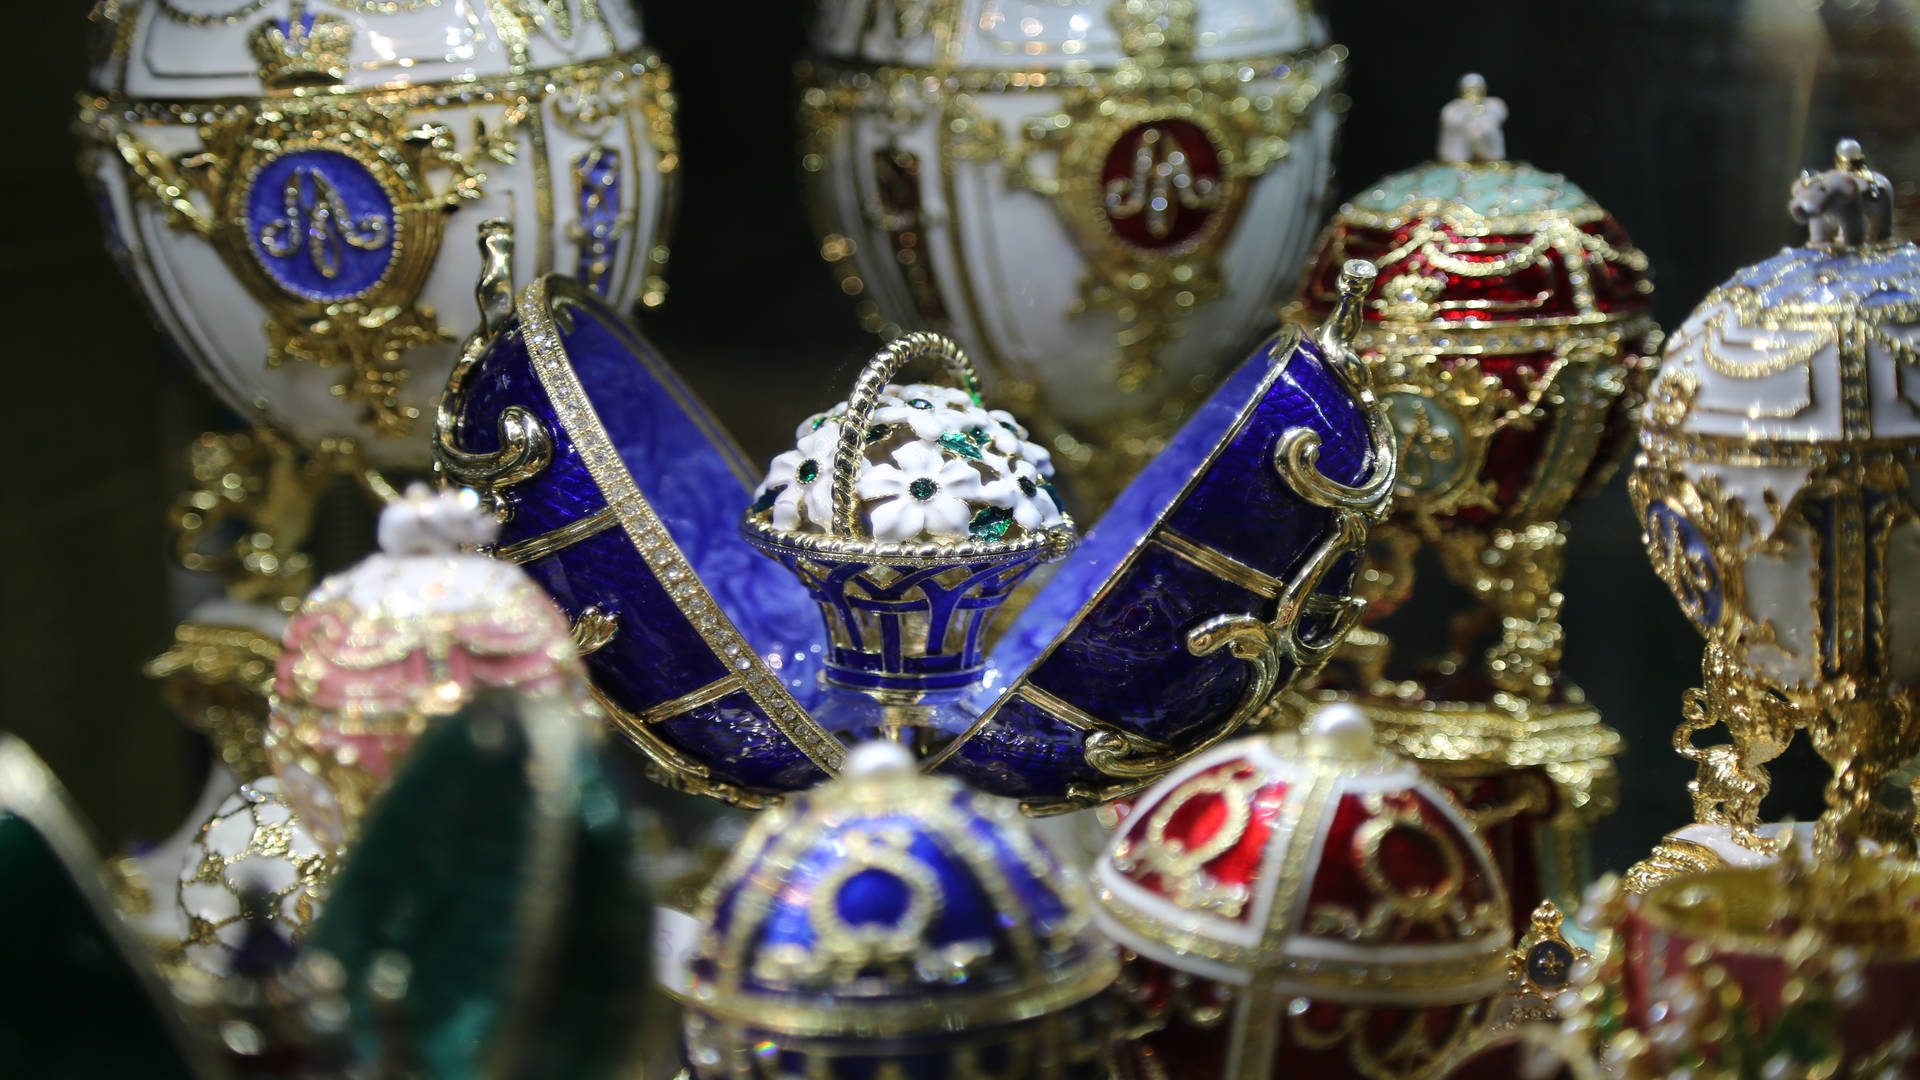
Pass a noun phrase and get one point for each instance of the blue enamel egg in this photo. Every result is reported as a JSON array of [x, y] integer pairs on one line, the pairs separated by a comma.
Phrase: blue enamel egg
[[888, 909], [1220, 576]]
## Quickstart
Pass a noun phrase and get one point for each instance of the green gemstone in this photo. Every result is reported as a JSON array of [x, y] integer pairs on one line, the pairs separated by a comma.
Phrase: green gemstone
[[765, 502], [922, 489], [808, 472], [991, 523], [1027, 488], [878, 432], [960, 444], [920, 403], [979, 435]]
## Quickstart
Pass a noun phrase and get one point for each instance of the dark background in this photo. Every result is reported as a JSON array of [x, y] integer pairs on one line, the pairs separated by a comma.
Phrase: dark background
[[1686, 118]]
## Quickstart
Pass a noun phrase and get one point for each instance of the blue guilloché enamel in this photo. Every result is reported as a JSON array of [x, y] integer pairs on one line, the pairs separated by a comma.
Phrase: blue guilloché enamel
[[1108, 634]]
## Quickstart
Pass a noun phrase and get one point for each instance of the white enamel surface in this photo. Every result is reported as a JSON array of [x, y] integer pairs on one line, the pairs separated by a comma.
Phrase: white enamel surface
[[1800, 403], [1274, 761], [227, 833], [426, 41], [219, 325], [1048, 34], [161, 865], [1005, 260]]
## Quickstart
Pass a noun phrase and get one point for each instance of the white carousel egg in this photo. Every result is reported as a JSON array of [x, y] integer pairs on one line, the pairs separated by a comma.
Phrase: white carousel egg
[[295, 185], [1101, 201], [1781, 457]]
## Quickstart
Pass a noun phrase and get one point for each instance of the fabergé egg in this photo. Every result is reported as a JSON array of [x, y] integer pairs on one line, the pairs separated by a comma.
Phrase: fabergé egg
[[294, 187]]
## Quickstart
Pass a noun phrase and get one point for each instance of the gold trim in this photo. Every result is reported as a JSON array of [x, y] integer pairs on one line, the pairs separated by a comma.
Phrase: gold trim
[[541, 306], [878, 1019], [1220, 565], [1672, 858], [560, 539]]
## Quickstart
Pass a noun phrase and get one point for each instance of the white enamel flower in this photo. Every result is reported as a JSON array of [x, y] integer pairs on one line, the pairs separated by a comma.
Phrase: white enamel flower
[[818, 420], [918, 407], [1021, 490], [924, 492], [800, 481]]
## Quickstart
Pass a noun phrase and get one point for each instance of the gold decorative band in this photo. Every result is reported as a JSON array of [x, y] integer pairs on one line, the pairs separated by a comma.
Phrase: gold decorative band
[[114, 110], [1665, 448], [975, 80], [931, 1015], [1456, 978], [548, 543], [1507, 338], [1225, 567]]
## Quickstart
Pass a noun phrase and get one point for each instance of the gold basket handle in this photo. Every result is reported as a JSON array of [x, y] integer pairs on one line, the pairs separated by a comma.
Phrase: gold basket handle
[[851, 453]]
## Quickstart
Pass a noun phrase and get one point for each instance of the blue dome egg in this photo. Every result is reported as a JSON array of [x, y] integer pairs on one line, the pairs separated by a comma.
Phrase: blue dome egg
[[888, 905]]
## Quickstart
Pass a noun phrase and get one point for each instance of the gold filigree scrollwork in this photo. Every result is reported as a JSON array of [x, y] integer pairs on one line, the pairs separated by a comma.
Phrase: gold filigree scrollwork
[[1179, 865], [218, 678], [1277, 650], [251, 508]]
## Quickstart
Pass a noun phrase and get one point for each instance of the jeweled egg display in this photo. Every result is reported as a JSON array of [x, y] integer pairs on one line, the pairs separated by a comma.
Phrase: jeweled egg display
[[1098, 200], [1223, 572], [887, 917], [277, 178], [1302, 905], [378, 652], [1776, 485], [1512, 339]]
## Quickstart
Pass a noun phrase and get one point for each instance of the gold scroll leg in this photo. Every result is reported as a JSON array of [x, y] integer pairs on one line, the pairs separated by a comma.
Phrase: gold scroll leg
[[1865, 737], [1516, 577]]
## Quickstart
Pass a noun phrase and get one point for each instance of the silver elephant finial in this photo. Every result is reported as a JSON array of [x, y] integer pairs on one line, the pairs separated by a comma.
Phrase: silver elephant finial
[[1846, 205], [1470, 125]]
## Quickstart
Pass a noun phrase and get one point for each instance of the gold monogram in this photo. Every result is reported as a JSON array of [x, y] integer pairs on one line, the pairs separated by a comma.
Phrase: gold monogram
[[316, 218]]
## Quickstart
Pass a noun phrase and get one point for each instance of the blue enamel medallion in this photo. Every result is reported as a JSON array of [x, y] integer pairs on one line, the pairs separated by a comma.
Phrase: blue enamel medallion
[[1685, 561], [320, 224], [596, 178]]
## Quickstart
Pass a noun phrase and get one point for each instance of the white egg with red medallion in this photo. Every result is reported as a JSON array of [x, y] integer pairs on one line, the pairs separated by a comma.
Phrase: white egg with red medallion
[[1099, 200]]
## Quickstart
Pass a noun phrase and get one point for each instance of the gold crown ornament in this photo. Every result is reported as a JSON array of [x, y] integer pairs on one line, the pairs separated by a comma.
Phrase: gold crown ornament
[[1510, 340], [302, 49], [1776, 489], [1303, 904], [1094, 197]]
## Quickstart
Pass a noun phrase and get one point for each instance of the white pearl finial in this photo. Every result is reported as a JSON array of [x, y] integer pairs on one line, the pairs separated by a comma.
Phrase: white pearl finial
[[877, 759], [1341, 730], [428, 522]]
